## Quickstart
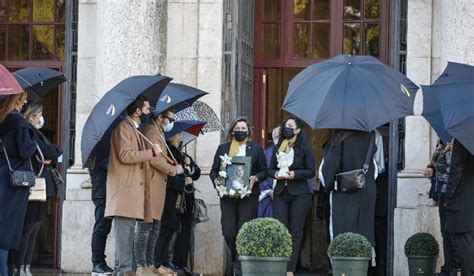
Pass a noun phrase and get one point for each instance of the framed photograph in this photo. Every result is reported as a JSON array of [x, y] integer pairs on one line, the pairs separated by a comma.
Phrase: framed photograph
[[234, 176]]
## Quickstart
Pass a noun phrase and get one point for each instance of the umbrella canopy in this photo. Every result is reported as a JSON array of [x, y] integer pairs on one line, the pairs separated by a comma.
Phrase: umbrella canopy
[[108, 112], [350, 92], [8, 84], [178, 97], [432, 113], [40, 80], [200, 111], [455, 92], [190, 130]]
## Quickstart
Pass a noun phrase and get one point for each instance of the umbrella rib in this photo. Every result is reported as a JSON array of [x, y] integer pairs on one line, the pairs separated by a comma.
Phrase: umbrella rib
[[376, 92]]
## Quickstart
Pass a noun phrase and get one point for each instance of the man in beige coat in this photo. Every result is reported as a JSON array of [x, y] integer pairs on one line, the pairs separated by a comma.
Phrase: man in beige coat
[[147, 232], [127, 182]]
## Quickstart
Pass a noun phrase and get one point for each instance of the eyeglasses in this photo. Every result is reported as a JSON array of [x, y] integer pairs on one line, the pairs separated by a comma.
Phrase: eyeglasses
[[170, 119]]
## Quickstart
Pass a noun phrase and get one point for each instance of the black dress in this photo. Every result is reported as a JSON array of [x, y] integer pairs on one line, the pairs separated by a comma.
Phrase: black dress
[[350, 212]]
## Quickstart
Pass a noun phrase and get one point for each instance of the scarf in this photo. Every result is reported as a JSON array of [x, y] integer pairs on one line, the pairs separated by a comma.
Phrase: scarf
[[234, 146], [286, 144]]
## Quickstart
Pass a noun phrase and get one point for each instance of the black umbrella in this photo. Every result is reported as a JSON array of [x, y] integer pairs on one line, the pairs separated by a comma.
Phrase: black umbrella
[[200, 111], [350, 92], [108, 112], [178, 97], [432, 113], [39, 80], [455, 92]]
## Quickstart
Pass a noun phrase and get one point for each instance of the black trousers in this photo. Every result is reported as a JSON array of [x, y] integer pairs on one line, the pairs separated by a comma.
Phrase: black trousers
[[182, 247], [162, 245], [234, 213], [292, 211], [448, 244], [101, 230], [464, 257], [27, 244]]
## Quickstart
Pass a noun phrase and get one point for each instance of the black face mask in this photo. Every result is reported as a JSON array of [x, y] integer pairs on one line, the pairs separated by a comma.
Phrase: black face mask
[[288, 132], [144, 118], [240, 135]]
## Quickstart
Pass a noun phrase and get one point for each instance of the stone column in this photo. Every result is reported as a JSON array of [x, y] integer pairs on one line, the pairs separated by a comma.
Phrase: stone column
[[415, 211], [117, 39]]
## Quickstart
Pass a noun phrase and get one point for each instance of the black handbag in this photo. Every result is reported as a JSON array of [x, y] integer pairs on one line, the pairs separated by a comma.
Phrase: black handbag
[[353, 181], [19, 179]]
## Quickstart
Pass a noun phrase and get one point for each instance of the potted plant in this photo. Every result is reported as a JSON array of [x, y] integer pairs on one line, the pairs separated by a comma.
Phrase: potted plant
[[264, 247], [422, 251], [350, 254]]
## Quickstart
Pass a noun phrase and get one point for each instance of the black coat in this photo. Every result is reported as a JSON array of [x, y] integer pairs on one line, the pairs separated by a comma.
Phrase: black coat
[[174, 187], [460, 191], [259, 163], [18, 140], [303, 166], [350, 212], [36, 210]]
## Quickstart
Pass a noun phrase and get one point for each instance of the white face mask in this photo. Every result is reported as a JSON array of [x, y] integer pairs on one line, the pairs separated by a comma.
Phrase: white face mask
[[40, 124], [168, 126], [275, 141]]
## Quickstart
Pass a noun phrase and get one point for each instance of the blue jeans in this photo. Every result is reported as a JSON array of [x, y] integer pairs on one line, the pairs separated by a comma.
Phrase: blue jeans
[[3, 262], [146, 235]]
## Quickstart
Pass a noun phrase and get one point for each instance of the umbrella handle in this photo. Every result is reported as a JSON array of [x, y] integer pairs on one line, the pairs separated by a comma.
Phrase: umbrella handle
[[169, 160]]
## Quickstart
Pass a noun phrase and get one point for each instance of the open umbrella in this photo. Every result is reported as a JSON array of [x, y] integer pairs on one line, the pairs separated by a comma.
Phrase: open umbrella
[[200, 111], [178, 97], [455, 93], [190, 130], [40, 80], [8, 84], [432, 113], [108, 112], [350, 92]]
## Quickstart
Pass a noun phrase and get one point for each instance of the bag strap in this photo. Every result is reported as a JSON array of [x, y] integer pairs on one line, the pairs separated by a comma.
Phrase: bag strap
[[6, 155], [365, 167], [31, 165]]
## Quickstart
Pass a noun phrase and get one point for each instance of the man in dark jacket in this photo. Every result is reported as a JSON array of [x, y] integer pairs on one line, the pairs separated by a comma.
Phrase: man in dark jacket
[[102, 226], [460, 206]]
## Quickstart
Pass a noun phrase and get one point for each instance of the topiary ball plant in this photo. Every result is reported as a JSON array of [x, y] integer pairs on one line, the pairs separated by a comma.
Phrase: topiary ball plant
[[422, 244], [264, 237], [350, 245]]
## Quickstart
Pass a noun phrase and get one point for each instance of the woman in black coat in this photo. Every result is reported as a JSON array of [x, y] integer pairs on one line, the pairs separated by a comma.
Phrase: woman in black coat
[[17, 138], [36, 210], [291, 195], [347, 151], [182, 247], [170, 219], [236, 211]]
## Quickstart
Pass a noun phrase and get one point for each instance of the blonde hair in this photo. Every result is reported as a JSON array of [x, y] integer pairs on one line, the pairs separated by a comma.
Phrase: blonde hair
[[33, 110], [8, 103]]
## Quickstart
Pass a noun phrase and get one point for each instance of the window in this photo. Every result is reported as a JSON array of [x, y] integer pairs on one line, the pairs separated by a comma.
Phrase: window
[[32, 30], [297, 33]]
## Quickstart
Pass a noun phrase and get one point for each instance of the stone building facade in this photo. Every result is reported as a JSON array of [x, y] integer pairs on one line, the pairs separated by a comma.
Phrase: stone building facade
[[185, 39]]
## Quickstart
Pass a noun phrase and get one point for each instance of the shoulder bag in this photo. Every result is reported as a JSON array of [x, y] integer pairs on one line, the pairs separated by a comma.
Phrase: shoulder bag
[[19, 178], [38, 192], [353, 181]]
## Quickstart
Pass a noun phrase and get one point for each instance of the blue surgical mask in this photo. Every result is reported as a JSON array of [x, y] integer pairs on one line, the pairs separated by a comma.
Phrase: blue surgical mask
[[167, 127]]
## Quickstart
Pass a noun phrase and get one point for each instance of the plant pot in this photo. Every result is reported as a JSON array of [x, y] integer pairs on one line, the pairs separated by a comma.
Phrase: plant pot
[[350, 266], [263, 265], [422, 265]]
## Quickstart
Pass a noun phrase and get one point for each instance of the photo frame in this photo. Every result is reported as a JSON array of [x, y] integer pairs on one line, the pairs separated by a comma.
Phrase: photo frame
[[238, 173]]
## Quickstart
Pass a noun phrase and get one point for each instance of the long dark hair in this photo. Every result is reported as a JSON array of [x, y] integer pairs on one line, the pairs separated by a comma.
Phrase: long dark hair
[[230, 131], [300, 139]]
